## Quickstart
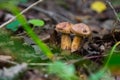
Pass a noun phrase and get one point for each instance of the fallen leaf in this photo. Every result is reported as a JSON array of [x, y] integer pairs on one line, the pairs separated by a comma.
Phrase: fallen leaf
[[98, 6]]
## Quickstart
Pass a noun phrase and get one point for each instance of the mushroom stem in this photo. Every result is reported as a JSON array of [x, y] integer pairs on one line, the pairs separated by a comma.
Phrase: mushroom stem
[[65, 42], [76, 43]]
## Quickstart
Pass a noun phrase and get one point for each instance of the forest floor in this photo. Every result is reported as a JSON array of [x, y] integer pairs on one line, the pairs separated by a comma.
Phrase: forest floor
[[97, 58]]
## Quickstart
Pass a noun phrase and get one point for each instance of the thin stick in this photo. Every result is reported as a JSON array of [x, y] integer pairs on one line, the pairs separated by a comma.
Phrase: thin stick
[[39, 64], [8, 61], [114, 11], [84, 58], [25, 10]]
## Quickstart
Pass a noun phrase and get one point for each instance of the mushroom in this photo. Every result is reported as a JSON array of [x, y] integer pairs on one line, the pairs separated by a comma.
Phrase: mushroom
[[64, 28], [80, 30]]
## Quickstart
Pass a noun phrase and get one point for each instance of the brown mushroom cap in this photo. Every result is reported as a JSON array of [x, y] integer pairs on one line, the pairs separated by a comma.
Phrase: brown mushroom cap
[[81, 29], [64, 27]]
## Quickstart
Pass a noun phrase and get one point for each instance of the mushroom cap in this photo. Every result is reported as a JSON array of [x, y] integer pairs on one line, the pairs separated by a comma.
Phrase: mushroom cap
[[81, 29], [64, 27]]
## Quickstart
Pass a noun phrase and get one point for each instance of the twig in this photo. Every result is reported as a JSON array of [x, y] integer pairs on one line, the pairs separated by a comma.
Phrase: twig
[[25, 10], [114, 11], [84, 58], [51, 14], [8, 61], [39, 64]]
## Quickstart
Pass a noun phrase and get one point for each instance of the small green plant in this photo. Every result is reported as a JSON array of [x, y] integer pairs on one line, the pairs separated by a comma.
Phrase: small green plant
[[36, 22], [13, 25], [62, 70]]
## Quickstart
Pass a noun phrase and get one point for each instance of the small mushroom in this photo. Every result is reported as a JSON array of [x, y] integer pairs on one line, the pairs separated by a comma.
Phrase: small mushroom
[[64, 28], [80, 30]]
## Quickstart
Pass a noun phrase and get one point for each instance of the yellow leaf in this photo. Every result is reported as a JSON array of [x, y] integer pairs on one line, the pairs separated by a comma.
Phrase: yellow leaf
[[98, 6]]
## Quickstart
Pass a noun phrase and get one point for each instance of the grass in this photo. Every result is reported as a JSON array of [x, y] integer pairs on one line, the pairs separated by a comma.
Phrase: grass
[[25, 53], [15, 10]]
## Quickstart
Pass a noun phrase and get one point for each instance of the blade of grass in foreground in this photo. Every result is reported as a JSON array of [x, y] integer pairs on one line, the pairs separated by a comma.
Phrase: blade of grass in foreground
[[29, 31], [101, 72]]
